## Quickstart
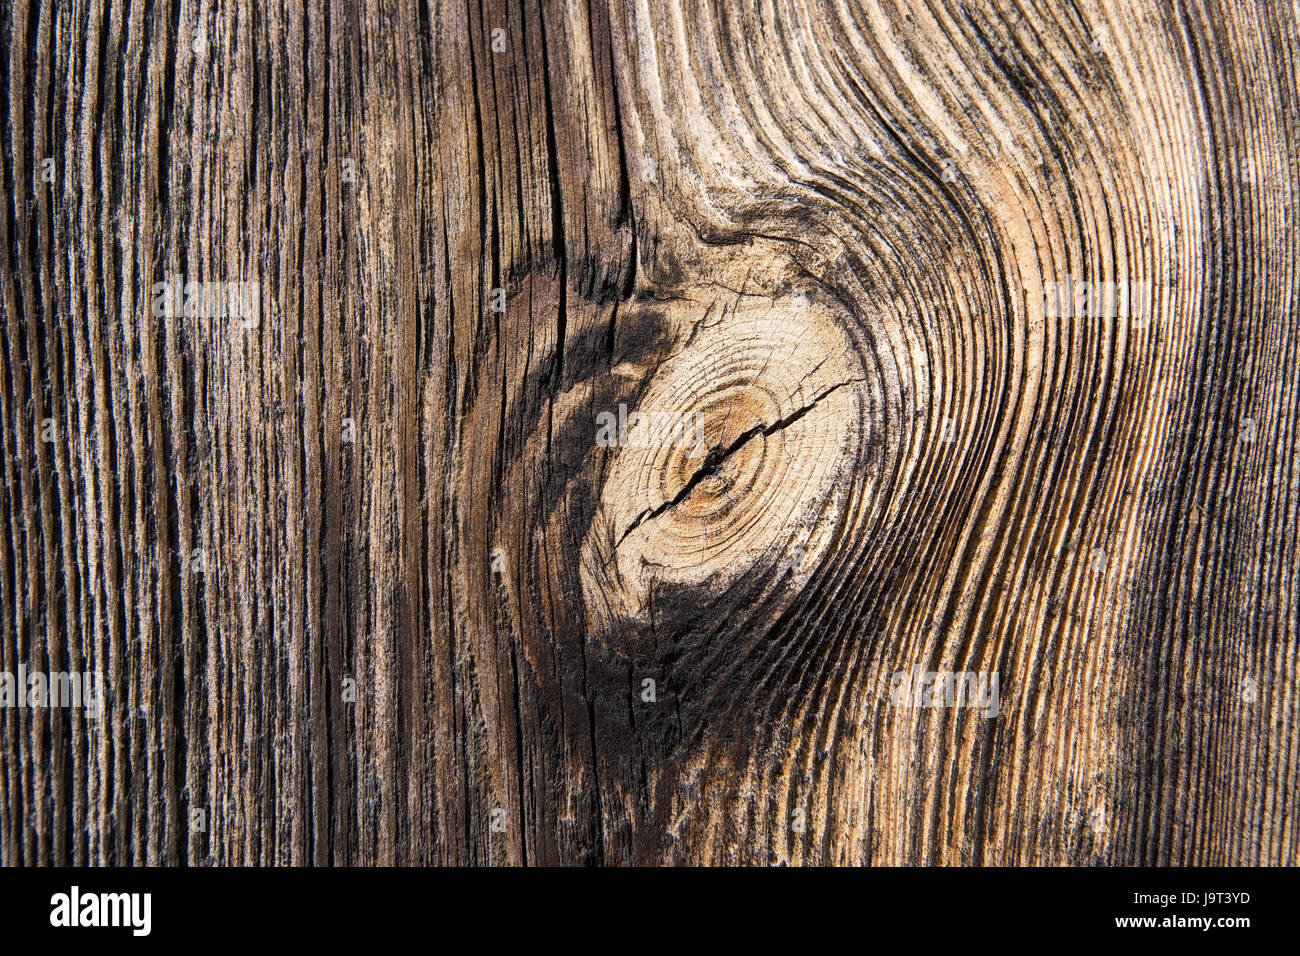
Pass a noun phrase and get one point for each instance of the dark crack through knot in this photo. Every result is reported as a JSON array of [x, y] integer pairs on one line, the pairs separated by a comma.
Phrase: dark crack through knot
[[716, 456]]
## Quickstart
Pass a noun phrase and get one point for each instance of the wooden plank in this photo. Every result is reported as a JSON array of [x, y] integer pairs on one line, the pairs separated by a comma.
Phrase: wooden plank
[[637, 410]]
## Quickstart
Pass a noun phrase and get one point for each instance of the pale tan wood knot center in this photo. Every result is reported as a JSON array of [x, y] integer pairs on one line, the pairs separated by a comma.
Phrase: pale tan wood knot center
[[738, 463]]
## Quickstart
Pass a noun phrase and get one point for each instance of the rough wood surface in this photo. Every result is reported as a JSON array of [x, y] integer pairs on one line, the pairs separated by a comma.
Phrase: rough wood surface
[[362, 583]]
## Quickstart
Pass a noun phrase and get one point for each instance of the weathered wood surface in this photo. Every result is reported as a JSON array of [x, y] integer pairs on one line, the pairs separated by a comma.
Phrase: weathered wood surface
[[826, 228]]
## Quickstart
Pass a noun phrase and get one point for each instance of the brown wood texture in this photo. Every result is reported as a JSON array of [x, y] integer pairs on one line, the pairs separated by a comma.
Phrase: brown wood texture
[[365, 587]]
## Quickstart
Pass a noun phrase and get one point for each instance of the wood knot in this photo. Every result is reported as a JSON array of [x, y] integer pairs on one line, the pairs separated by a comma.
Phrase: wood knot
[[738, 461]]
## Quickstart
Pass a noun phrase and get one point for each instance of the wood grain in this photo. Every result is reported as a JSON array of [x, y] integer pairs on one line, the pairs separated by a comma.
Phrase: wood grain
[[365, 587]]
